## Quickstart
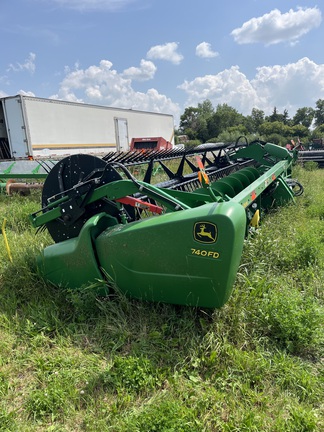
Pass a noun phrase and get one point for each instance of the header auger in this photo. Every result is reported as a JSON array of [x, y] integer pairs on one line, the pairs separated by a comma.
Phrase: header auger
[[179, 241]]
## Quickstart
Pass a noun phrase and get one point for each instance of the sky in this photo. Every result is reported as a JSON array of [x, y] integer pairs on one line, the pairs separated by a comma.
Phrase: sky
[[165, 55]]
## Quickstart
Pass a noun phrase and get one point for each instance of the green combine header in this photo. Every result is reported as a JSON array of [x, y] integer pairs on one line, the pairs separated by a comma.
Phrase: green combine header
[[178, 241]]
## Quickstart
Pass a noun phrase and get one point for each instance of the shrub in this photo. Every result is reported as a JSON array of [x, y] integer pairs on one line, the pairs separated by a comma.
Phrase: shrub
[[132, 374], [311, 166], [290, 319]]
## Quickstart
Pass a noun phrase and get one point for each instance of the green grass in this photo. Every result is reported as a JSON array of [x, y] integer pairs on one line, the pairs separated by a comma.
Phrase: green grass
[[72, 362]]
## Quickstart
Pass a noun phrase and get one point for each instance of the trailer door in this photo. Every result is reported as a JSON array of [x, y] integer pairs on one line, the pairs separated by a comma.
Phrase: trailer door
[[121, 129], [15, 127]]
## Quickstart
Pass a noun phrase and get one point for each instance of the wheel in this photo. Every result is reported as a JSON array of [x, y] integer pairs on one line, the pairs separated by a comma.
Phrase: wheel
[[80, 169]]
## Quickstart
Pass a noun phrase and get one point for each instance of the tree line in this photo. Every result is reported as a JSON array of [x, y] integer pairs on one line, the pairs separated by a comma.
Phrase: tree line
[[224, 123]]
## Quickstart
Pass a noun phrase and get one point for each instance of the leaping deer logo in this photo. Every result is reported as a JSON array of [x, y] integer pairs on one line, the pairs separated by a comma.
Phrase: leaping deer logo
[[205, 232]]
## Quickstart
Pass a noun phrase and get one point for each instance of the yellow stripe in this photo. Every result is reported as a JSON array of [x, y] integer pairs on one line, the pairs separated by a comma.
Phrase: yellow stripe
[[70, 146]]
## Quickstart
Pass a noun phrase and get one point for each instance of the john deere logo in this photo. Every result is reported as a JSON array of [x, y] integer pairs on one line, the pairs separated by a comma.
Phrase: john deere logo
[[205, 232]]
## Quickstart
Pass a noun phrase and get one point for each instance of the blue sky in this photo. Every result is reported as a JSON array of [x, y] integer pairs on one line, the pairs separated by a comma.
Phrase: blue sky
[[165, 55]]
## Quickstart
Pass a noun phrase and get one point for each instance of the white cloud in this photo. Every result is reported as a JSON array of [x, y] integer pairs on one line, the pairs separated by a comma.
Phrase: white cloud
[[22, 92], [145, 72], [293, 85], [229, 86], [94, 5], [28, 93], [289, 86], [167, 52], [28, 65], [204, 50], [276, 27], [103, 85]]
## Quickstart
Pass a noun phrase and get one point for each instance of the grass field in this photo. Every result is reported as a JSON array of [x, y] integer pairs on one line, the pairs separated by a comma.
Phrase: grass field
[[72, 362]]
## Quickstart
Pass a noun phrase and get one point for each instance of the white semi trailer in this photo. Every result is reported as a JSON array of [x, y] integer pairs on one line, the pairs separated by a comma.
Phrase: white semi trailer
[[33, 127]]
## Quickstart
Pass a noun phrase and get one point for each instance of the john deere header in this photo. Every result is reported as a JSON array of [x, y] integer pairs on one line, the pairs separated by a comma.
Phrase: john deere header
[[179, 241]]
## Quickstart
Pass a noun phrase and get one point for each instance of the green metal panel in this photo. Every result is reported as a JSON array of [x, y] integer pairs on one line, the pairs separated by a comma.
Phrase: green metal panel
[[277, 151], [249, 194], [73, 263], [189, 257], [194, 264]]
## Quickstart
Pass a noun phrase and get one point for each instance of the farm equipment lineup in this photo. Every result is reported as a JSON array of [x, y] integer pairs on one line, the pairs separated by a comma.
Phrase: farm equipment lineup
[[177, 241]]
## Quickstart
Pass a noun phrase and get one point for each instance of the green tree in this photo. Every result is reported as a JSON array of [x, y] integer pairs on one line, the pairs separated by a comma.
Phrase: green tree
[[231, 134], [206, 109], [276, 138], [202, 129], [254, 121], [299, 131], [189, 122], [277, 117], [223, 118], [285, 117], [277, 127], [257, 116], [318, 132], [304, 116], [319, 113], [274, 117], [193, 121]]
